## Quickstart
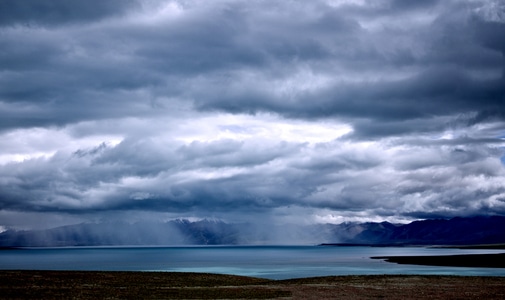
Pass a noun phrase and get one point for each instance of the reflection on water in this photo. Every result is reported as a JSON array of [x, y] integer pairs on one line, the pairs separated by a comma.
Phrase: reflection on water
[[273, 262]]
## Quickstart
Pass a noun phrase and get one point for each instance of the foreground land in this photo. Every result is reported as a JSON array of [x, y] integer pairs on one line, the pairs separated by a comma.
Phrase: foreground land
[[164, 285]]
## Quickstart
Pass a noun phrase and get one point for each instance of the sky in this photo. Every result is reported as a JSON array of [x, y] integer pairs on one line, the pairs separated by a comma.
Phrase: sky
[[321, 111]]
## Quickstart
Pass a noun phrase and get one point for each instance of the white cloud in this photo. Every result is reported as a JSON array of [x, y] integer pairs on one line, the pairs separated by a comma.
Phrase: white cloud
[[260, 127], [33, 143]]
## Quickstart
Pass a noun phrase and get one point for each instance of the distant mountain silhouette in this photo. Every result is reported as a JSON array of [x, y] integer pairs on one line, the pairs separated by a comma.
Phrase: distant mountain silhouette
[[456, 231]]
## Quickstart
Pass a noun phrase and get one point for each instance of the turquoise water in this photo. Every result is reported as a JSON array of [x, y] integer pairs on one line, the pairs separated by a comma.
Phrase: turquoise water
[[273, 262]]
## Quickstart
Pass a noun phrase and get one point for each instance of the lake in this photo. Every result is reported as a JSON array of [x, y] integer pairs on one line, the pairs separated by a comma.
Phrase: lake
[[272, 262]]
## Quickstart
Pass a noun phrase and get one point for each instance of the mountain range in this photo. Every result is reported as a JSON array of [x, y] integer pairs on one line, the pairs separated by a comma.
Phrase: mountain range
[[455, 231]]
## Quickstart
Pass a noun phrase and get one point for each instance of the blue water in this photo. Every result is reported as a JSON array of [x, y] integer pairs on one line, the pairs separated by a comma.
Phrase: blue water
[[273, 262]]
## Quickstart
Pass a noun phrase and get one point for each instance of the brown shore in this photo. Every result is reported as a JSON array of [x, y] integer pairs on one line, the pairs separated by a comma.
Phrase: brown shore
[[166, 285]]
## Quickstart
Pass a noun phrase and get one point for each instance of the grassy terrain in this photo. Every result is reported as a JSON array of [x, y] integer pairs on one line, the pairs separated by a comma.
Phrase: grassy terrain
[[164, 285]]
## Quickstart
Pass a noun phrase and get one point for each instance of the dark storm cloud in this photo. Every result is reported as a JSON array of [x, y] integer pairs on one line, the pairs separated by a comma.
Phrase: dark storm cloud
[[491, 34], [444, 78], [58, 12], [231, 108], [235, 43]]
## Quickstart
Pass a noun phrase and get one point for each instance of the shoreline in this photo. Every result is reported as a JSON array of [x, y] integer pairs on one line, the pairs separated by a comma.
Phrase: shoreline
[[172, 285], [406, 245], [459, 260]]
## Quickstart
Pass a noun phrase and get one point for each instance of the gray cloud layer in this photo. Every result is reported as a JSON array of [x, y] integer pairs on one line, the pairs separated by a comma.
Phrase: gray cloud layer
[[297, 110]]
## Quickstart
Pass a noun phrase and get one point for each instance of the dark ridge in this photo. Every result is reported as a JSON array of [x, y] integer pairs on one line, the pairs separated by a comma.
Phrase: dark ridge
[[475, 247], [467, 260], [9, 248]]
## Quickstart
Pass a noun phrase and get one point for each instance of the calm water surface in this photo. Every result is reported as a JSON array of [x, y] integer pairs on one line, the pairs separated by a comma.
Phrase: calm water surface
[[273, 262]]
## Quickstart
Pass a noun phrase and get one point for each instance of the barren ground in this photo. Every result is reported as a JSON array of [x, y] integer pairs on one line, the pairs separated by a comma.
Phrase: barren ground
[[164, 285]]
